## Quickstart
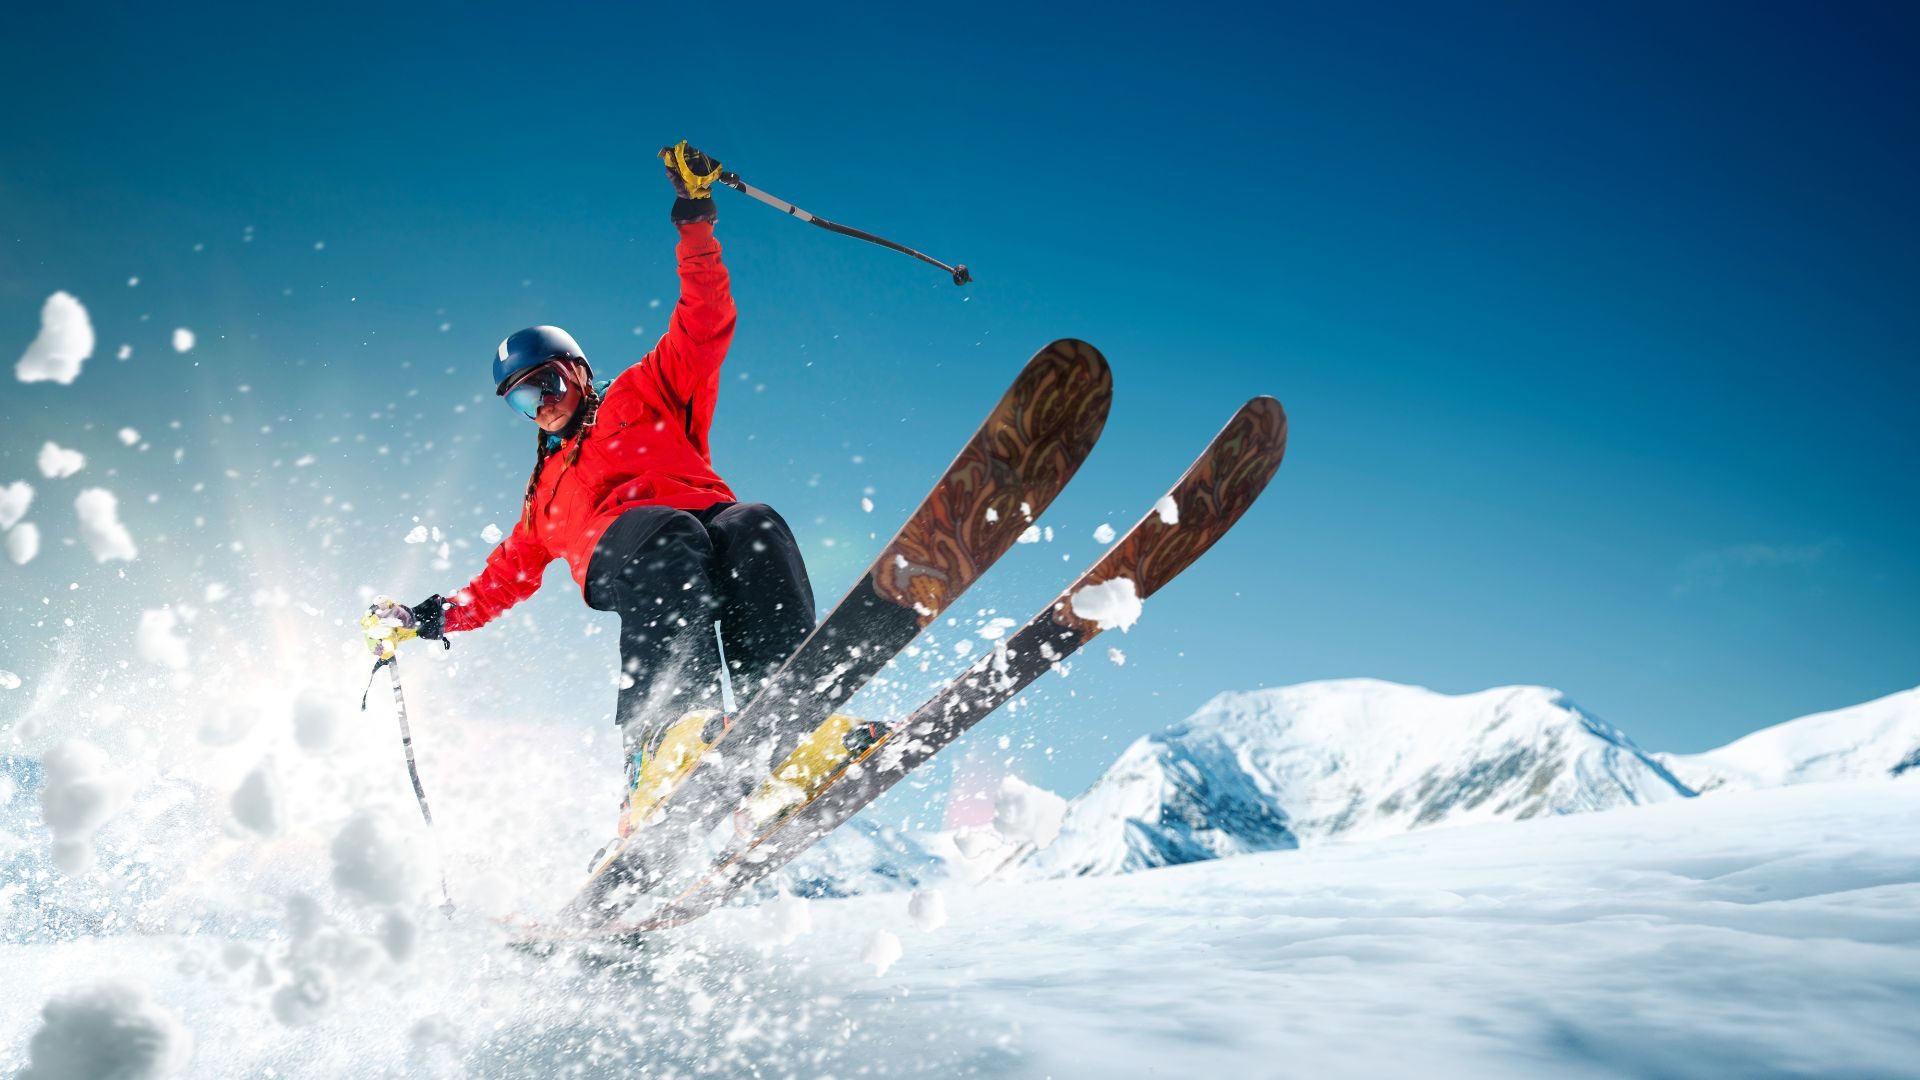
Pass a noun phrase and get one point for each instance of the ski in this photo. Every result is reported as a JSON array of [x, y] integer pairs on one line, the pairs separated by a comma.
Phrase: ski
[[1008, 473], [1206, 502]]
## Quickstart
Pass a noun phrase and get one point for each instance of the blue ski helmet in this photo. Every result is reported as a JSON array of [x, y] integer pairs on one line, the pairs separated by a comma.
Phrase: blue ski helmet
[[528, 349]]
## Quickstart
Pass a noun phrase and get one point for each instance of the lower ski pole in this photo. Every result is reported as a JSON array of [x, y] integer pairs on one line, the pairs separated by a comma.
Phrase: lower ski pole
[[732, 180], [391, 663]]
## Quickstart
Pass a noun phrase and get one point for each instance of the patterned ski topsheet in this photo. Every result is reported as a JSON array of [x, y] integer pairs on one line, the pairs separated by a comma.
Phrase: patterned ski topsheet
[[1212, 495], [1021, 457]]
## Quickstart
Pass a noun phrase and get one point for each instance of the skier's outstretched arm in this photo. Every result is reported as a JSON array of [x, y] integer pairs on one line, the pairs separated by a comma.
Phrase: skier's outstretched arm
[[512, 574], [701, 327]]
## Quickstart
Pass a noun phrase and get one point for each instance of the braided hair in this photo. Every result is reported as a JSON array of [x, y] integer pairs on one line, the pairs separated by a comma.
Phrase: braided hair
[[545, 444]]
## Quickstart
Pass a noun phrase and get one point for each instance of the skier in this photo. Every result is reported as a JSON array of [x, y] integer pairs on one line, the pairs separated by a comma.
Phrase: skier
[[624, 489]]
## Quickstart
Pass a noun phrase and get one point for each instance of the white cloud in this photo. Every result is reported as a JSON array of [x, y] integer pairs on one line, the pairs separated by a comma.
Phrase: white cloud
[[23, 543], [154, 641], [108, 1030], [1710, 569], [100, 525], [64, 343], [58, 463], [14, 500]]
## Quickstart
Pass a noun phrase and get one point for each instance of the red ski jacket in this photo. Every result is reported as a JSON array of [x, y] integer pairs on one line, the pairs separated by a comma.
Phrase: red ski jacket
[[647, 446]]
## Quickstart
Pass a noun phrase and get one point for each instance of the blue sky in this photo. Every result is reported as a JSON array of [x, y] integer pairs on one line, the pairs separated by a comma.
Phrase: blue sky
[[1595, 324]]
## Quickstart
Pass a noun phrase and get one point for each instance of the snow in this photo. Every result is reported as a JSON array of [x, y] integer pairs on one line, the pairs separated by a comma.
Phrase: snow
[[928, 909], [370, 863], [1104, 533], [315, 720], [14, 500], [155, 642], [58, 463], [1772, 933], [256, 802], [1342, 759], [1168, 510], [882, 951], [416, 535], [109, 1031], [8, 680], [81, 792], [1025, 814], [1873, 739], [491, 534], [1114, 605], [182, 339], [64, 343], [100, 526], [129, 436], [23, 543]]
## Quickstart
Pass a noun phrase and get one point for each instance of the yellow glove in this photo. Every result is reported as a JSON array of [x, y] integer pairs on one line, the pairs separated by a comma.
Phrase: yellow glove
[[386, 624], [691, 171]]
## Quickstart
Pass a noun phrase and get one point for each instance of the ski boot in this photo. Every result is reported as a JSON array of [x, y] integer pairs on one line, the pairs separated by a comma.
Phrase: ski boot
[[826, 752]]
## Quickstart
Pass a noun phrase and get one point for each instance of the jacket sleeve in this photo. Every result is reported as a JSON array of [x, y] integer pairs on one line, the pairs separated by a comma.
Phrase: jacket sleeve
[[512, 574], [701, 328]]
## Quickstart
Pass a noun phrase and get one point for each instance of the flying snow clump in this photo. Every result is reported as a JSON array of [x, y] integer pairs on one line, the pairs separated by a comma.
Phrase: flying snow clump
[[23, 543], [64, 343], [1026, 814], [1168, 510], [928, 909], [100, 525], [129, 436], [58, 463], [369, 862], [416, 535], [883, 951], [256, 802], [1114, 604], [491, 534], [315, 719], [79, 795], [108, 1031], [788, 918], [14, 500], [182, 339], [8, 681], [154, 640], [1104, 533]]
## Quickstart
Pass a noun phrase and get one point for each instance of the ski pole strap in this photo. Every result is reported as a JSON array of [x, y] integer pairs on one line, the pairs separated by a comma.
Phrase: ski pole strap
[[377, 665]]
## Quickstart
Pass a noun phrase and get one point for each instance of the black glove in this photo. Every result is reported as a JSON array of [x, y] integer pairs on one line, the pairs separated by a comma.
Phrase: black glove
[[692, 174], [428, 616]]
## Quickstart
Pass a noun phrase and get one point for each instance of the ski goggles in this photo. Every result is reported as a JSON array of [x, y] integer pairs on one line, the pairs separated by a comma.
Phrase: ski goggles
[[541, 387]]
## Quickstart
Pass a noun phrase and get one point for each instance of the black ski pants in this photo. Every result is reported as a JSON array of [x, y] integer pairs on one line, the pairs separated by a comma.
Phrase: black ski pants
[[670, 574]]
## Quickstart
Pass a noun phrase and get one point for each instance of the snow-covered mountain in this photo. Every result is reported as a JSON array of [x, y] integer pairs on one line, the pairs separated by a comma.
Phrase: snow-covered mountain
[[1877, 739], [1273, 769]]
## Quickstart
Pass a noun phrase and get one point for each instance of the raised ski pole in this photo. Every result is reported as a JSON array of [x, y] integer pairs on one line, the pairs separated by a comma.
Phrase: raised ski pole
[[392, 664], [732, 180]]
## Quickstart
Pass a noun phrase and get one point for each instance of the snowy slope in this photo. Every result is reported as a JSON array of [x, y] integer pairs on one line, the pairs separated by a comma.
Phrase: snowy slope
[[1756, 934], [1274, 769], [1874, 740]]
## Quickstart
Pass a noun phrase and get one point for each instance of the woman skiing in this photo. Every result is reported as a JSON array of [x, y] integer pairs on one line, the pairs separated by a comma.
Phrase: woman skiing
[[624, 489]]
